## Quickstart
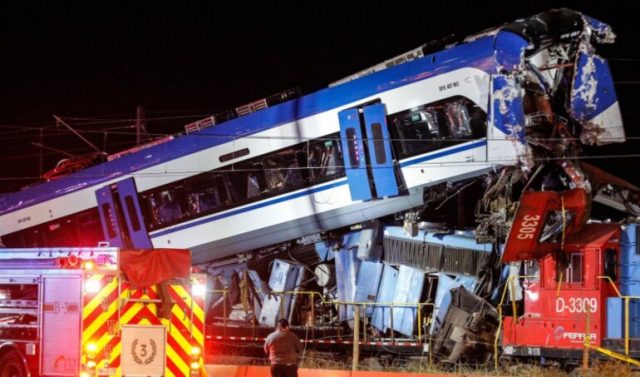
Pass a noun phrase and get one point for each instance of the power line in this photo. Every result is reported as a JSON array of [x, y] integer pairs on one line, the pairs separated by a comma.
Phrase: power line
[[232, 169], [298, 138]]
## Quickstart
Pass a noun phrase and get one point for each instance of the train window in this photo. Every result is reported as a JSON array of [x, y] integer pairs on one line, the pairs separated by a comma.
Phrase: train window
[[574, 271], [378, 143], [554, 224], [247, 180], [324, 159], [233, 155], [162, 207], [283, 171], [610, 263], [531, 269], [32, 237], [133, 214], [458, 119], [80, 229], [61, 232], [436, 125], [89, 228], [205, 193], [13, 239], [169, 209], [148, 202]]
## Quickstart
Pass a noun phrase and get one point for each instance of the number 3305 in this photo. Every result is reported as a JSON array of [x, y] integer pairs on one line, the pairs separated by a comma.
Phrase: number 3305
[[528, 227]]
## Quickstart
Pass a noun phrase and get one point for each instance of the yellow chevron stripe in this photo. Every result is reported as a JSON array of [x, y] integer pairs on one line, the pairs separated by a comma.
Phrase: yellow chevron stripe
[[183, 318], [127, 315], [117, 349], [183, 365], [97, 299], [186, 296], [182, 340], [99, 322], [184, 343]]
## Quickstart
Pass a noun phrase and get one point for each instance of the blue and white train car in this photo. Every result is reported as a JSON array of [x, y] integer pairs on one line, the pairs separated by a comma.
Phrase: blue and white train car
[[354, 152]]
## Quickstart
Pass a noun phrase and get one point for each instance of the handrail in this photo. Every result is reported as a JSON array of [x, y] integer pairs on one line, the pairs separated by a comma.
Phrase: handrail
[[626, 299], [507, 284], [364, 304], [497, 336], [626, 310], [615, 355]]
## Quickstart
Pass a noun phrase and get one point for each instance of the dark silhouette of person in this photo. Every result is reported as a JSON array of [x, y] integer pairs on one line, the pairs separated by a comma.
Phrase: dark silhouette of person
[[169, 210], [282, 346]]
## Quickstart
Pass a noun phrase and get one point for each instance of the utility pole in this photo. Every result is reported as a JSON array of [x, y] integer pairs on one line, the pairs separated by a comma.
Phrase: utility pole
[[140, 124]]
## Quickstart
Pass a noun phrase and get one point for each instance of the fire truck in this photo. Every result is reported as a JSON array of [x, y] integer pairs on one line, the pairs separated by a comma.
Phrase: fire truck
[[100, 312]]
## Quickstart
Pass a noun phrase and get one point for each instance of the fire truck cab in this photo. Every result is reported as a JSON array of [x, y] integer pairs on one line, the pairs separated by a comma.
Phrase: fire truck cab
[[99, 312]]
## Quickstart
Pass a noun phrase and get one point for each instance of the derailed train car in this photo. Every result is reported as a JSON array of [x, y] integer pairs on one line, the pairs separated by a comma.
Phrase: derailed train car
[[427, 286], [384, 144], [346, 183]]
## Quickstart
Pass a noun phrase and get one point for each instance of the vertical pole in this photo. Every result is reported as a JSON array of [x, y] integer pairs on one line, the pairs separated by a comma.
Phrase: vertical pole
[[313, 315], [356, 337], [626, 326], [429, 340], [587, 342], [224, 311], [281, 305], [393, 339], [514, 308], [364, 319], [419, 307], [139, 124]]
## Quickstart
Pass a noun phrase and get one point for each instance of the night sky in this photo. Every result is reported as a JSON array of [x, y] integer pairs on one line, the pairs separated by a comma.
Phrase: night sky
[[93, 64]]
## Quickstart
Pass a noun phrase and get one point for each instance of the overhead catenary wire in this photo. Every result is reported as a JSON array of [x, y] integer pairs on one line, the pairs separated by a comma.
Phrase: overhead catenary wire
[[235, 138], [231, 169], [231, 138]]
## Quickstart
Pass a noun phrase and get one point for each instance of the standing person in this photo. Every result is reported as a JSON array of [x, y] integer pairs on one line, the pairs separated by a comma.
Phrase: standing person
[[283, 348]]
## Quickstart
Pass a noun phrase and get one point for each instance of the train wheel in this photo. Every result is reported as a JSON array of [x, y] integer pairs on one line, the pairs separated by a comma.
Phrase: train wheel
[[11, 365]]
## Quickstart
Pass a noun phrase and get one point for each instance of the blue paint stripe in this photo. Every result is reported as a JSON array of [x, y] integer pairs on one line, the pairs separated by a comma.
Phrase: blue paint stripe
[[433, 156], [478, 54], [295, 195]]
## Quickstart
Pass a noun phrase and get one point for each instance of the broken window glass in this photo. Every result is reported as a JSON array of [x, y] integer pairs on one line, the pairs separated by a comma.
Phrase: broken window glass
[[573, 272], [458, 119], [436, 125], [324, 159], [555, 223]]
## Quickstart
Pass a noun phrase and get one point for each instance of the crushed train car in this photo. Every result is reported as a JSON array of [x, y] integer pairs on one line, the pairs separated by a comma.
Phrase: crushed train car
[[386, 199]]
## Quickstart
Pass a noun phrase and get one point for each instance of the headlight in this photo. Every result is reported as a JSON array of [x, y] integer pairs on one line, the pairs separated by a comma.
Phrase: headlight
[[92, 286], [198, 289]]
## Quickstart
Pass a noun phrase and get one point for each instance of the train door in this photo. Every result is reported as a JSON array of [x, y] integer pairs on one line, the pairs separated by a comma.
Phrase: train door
[[366, 146], [121, 215]]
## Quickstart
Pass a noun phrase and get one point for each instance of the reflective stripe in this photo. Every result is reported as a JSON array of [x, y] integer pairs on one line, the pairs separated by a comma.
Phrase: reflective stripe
[[101, 325]]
